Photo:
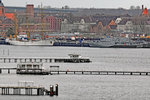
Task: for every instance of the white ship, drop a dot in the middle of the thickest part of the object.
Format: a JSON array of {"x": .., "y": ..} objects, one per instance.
[{"x": 30, "y": 42}]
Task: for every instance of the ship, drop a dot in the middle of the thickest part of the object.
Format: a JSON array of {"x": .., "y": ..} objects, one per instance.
[
  {"x": 3, "y": 41},
  {"x": 102, "y": 43},
  {"x": 115, "y": 42},
  {"x": 26, "y": 39},
  {"x": 72, "y": 43},
  {"x": 30, "y": 42}
]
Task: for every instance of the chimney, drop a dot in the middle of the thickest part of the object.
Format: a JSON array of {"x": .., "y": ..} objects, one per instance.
[{"x": 142, "y": 7}]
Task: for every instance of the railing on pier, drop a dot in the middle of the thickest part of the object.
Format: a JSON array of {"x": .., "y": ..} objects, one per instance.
[
  {"x": 29, "y": 91},
  {"x": 67, "y": 72},
  {"x": 44, "y": 60}
]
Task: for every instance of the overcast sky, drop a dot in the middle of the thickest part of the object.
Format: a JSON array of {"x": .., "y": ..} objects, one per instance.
[{"x": 80, "y": 3}]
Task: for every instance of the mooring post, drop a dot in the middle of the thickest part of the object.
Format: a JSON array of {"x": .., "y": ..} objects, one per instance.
[
  {"x": 38, "y": 91},
  {"x": 4, "y": 60},
  {"x": 2, "y": 91},
  {"x": 56, "y": 90},
  {"x": 34, "y": 60},
  {"x": 8, "y": 71},
  {"x": 0, "y": 71},
  {"x": 40, "y": 60},
  {"x": 51, "y": 90},
  {"x": 9, "y": 60}
]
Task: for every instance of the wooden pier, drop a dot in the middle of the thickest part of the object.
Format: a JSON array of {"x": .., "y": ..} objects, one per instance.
[
  {"x": 44, "y": 72},
  {"x": 28, "y": 90},
  {"x": 15, "y": 90},
  {"x": 44, "y": 60},
  {"x": 98, "y": 73},
  {"x": 87, "y": 73}
]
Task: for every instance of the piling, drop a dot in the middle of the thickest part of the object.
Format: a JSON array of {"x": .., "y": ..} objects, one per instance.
[
  {"x": 0, "y": 71},
  {"x": 40, "y": 91},
  {"x": 8, "y": 71},
  {"x": 51, "y": 90},
  {"x": 56, "y": 90},
  {"x": 40, "y": 60},
  {"x": 15, "y": 60}
]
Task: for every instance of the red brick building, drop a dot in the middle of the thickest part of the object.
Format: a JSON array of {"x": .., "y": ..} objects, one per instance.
[
  {"x": 6, "y": 20},
  {"x": 30, "y": 10}
]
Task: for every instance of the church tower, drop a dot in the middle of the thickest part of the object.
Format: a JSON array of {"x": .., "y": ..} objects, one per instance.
[{"x": 2, "y": 9}]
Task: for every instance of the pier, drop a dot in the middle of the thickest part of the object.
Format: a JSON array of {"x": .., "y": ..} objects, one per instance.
[
  {"x": 99, "y": 73},
  {"x": 44, "y": 60},
  {"x": 53, "y": 72},
  {"x": 28, "y": 90}
]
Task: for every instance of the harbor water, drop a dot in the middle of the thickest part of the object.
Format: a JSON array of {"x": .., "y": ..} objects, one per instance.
[{"x": 84, "y": 87}]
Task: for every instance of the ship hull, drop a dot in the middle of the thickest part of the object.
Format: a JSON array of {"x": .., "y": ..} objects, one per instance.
[{"x": 31, "y": 43}]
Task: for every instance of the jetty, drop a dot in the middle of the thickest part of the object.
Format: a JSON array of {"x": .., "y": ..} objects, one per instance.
[
  {"x": 73, "y": 58},
  {"x": 71, "y": 72},
  {"x": 28, "y": 90}
]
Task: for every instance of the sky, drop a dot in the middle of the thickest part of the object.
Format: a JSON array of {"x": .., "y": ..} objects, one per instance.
[{"x": 80, "y": 3}]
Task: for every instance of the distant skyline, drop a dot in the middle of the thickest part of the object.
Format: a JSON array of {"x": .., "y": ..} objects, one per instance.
[{"x": 80, "y": 3}]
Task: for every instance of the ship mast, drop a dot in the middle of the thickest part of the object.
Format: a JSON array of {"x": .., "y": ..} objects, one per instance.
[
  {"x": 42, "y": 23},
  {"x": 27, "y": 25},
  {"x": 16, "y": 26}
]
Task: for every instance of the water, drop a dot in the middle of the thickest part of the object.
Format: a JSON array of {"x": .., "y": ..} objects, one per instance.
[{"x": 85, "y": 87}]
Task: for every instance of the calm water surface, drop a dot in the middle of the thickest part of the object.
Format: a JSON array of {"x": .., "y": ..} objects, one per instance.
[{"x": 85, "y": 87}]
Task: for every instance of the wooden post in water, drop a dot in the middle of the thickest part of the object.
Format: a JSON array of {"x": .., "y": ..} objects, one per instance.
[
  {"x": 8, "y": 71},
  {"x": 0, "y": 71},
  {"x": 4, "y": 60},
  {"x": 51, "y": 90},
  {"x": 35, "y": 60},
  {"x": 40, "y": 60},
  {"x": 25, "y": 60},
  {"x": 56, "y": 90},
  {"x": 15, "y": 60},
  {"x": 9, "y": 60}
]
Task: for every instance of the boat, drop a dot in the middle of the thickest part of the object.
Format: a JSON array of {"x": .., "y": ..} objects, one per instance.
[
  {"x": 115, "y": 42},
  {"x": 30, "y": 68},
  {"x": 25, "y": 39},
  {"x": 72, "y": 43},
  {"x": 3, "y": 41},
  {"x": 73, "y": 58},
  {"x": 125, "y": 43},
  {"x": 102, "y": 43},
  {"x": 30, "y": 42}
]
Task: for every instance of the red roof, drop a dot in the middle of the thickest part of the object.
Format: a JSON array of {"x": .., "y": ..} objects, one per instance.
[
  {"x": 145, "y": 12},
  {"x": 10, "y": 16},
  {"x": 112, "y": 22}
]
